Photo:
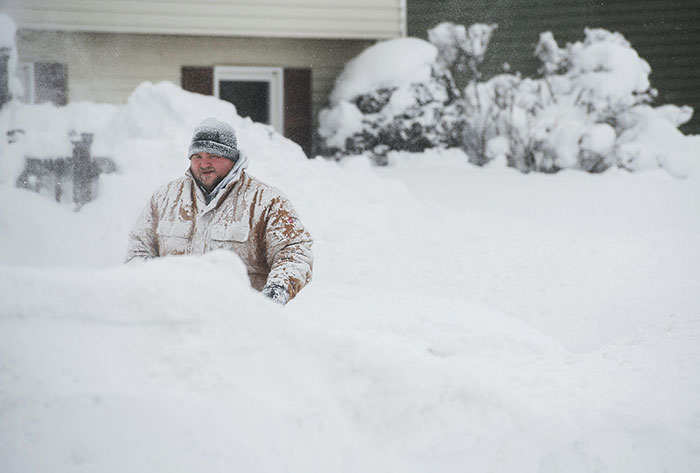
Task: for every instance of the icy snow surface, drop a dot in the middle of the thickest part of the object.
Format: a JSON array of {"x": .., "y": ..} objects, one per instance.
[{"x": 460, "y": 318}]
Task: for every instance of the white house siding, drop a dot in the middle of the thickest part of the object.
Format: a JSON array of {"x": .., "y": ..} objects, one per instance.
[
  {"x": 106, "y": 67},
  {"x": 366, "y": 19}
]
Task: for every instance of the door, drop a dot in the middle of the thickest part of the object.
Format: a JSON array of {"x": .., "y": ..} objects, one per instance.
[
  {"x": 277, "y": 96},
  {"x": 255, "y": 91}
]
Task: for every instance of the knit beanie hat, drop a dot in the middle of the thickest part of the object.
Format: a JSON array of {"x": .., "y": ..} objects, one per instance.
[{"x": 215, "y": 137}]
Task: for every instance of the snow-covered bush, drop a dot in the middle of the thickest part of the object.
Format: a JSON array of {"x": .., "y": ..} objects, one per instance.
[
  {"x": 462, "y": 50},
  {"x": 393, "y": 96},
  {"x": 581, "y": 113},
  {"x": 590, "y": 107},
  {"x": 571, "y": 116}
]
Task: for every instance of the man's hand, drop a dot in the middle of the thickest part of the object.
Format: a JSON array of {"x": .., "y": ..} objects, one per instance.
[{"x": 276, "y": 293}]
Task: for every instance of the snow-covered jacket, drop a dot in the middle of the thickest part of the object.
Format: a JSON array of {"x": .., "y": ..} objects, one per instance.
[{"x": 247, "y": 216}]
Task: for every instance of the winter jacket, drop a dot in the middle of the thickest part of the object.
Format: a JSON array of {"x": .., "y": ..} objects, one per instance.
[{"x": 247, "y": 216}]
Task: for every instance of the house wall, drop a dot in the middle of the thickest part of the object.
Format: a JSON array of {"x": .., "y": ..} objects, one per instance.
[
  {"x": 664, "y": 33},
  {"x": 106, "y": 67},
  {"x": 248, "y": 18}
]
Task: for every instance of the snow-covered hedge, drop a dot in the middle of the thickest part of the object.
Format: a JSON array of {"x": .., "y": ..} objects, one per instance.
[{"x": 590, "y": 108}]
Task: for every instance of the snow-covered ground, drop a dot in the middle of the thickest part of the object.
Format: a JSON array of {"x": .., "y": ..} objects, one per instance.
[{"x": 460, "y": 318}]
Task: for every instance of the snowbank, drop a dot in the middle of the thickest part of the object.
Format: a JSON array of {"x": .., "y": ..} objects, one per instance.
[
  {"x": 151, "y": 369},
  {"x": 459, "y": 317}
]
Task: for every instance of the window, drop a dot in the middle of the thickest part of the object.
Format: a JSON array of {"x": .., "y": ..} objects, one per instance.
[{"x": 43, "y": 82}]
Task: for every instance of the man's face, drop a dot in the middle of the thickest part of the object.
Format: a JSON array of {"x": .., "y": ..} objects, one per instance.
[{"x": 208, "y": 170}]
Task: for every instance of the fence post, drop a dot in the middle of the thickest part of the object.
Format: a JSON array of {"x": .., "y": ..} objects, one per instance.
[
  {"x": 82, "y": 170},
  {"x": 4, "y": 76}
]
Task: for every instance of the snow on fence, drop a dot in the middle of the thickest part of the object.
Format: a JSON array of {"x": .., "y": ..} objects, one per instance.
[{"x": 67, "y": 179}]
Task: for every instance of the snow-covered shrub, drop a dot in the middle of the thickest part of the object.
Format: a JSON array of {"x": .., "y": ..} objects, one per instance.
[
  {"x": 462, "y": 50},
  {"x": 589, "y": 110},
  {"x": 568, "y": 118},
  {"x": 393, "y": 96},
  {"x": 650, "y": 138},
  {"x": 590, "y": 107}
]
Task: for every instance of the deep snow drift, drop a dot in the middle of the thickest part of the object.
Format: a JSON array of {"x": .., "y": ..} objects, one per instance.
[{"x": 460, "y": 318}]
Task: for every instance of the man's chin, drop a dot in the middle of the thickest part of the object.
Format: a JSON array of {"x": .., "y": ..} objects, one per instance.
[{"x": 207, "y": 184}]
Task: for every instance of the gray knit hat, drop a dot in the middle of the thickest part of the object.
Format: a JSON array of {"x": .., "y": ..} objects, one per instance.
[{"x": 215, "y": 137}]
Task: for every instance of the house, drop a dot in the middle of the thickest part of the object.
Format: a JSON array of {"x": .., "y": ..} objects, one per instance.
[
  {"x": 664, "y": 33},
  {"x": 276, "y": 60}
]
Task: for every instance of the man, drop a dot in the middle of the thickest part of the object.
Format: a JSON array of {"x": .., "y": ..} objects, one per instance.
[{"x": 217, "y": 205}]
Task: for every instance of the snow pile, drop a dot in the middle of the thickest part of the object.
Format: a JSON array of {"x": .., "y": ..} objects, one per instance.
[
  {"x": 152, "y": 368},
  {"x": 459, "y": 317},
  {"x": 589, "y": 110}
]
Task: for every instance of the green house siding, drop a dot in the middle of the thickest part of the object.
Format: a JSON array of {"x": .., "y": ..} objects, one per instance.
[{"x": 666, "y": 33}]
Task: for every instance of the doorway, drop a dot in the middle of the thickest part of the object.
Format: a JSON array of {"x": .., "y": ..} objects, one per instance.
[{"x": 255, "y": 91}]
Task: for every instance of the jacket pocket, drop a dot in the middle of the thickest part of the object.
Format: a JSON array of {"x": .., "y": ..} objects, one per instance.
[
  {"x": 233, "y": 236},
  {"x": 235, "y": 232},
  {"x": 173, "y": 237}
]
